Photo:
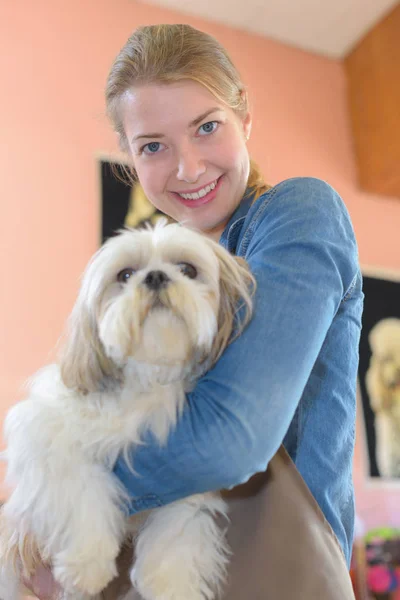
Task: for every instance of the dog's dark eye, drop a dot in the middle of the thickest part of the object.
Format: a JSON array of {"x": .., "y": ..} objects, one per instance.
[
  {"x": 188, "y": 270},
  {"x": 125, "y": 274}
]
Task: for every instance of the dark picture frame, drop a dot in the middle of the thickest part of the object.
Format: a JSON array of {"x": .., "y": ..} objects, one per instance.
[{"x": 123, "y": 203}]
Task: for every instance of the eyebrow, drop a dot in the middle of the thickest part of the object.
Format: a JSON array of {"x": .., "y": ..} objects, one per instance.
[
  {"x": 203, "y": 116},
  {"x": 193, "y": 123}
]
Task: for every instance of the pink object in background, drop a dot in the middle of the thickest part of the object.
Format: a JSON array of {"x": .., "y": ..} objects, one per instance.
[{"x": 378, "y": 579}]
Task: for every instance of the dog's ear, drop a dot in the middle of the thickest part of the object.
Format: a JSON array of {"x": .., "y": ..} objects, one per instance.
[
  {"x": 83, "y": 363},
  {"x": 237, "y": 286}
]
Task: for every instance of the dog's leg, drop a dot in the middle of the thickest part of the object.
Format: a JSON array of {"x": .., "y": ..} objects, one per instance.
[
  {"x": 86, "y": 559},
  {"x": 69, "y": 503},
  {"x": 10, "y": 575},
  {"x": 181, "y": 553}
]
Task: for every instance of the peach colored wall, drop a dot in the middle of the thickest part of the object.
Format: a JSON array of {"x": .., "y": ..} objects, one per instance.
[{"x": 54, "y": 58}]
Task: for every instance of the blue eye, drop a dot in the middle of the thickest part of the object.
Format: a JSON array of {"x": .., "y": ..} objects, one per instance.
[
  {"x": 208, "y": 127},
  {"x": 152, "y": 148}
]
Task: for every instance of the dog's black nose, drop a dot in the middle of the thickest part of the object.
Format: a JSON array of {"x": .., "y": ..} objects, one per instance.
[{"x": 156, "y": 280}]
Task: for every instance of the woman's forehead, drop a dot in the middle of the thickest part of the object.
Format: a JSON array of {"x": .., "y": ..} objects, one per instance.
[{"x": 161, "y": 104}]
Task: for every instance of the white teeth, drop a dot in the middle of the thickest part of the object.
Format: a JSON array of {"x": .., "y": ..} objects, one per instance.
[{"x": 200, "y": 193}]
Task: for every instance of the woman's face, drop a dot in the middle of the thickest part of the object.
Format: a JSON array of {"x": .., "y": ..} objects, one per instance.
[{"x": 189, "y": 151}]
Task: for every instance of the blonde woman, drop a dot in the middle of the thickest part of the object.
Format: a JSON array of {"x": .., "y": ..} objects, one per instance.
[{"x": 181, "y": 112}]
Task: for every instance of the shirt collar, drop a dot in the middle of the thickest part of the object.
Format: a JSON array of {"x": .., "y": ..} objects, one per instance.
[{"x": 231, "y": 233}]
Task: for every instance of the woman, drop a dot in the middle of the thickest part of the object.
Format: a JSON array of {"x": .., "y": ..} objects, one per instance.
[{"x": 181, "y": 113}]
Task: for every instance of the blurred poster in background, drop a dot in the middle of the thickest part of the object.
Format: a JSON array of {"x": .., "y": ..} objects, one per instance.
[
  {"x": 379, "y": 374},
  {"x": 123, "y": 204}
]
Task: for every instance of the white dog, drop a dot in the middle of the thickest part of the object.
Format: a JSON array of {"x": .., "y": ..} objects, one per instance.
[
  {"x": 383, "y": 386},
  {"x": 155, "y": 310}
]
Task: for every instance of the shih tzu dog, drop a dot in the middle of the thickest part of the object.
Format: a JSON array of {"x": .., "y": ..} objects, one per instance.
[
  {"x": 156, "y": 309},
  {"x": 383, "y": 386}
]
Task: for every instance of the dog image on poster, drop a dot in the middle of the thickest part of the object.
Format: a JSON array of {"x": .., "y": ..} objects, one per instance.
[
  {"x": 383, "y": 386},
  {"x": 379, "y": 375}
]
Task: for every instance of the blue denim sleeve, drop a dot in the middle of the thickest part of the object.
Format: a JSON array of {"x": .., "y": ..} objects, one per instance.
[{"x": 300, "y": 246}]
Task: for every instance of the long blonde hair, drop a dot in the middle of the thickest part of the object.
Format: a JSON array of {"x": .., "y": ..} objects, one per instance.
[{"x": 170, "y": 53}]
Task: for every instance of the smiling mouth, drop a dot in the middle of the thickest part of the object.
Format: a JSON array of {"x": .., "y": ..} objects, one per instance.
[
  {"x": 199, "y": 192},
  {"x": 201, "y": 195}
]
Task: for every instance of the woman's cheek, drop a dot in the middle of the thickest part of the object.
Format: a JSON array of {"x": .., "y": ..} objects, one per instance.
[{"x": 147, "y": 176}]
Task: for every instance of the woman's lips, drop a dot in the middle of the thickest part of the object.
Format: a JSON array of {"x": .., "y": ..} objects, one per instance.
[{"x": 199, "y": 201}]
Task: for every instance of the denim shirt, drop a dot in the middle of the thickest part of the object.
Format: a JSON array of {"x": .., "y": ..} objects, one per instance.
[{"x": 291, "y": 375}]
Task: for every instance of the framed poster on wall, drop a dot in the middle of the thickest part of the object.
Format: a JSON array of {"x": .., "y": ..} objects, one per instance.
[
  {"x": 379, "y": 374},
  {"x": 122, "y": 204}
]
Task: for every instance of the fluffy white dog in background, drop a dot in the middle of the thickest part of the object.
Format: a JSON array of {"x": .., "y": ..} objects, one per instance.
[
  {"x": 383, "y": 386},
  {"x": 156, "y": 309}
]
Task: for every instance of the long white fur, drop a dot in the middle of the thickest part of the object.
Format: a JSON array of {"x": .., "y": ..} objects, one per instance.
[{"x": 129, "y": 358}]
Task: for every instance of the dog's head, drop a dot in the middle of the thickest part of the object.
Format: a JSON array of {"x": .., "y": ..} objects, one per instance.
[
  {"x": 383, "y": 375},
  {"x": 384, "y": 340},
  {"x": 166, "y": 296}
]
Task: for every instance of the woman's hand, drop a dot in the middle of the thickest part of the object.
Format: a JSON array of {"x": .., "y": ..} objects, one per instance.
[{"x": 43, "y": 585}]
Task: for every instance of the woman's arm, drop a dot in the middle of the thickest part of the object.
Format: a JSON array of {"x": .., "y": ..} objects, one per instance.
[{"x": 304, "y": 257}]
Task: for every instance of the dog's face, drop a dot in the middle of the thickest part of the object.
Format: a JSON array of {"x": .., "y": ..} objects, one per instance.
[
  {"x": 385, "y": 345},
  {"x": 383, "y": 375},
  {"x": 158, "y": 297},
  {"x": 165, "y": 296}
]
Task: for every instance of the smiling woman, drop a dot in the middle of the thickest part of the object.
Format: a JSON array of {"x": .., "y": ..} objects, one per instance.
[{"x": 193, "y": 163}]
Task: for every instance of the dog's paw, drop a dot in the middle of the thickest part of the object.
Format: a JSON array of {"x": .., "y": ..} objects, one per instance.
[{"x": 84, "y": 576}]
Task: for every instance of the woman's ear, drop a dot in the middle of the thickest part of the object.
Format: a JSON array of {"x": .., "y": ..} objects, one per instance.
[
  {"x": 247, "y": 122},
  {"x": 247, "y": 119}
]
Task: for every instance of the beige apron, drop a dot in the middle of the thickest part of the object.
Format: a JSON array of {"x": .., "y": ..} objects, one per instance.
[{"x": 282, "y": 546}]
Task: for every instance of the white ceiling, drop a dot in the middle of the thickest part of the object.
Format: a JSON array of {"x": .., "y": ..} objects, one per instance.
[{"x": 330, "y": 28}]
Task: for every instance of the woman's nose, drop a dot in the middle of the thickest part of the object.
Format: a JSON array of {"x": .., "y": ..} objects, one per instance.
[{"x": 190, "y": 166}]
